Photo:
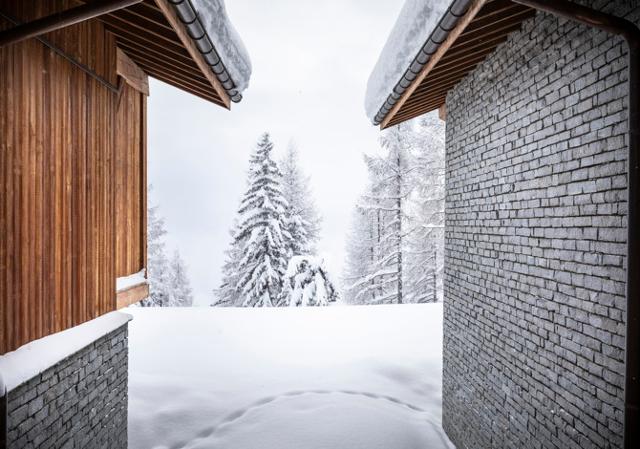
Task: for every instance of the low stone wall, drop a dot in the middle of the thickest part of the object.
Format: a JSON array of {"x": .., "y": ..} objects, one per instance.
[
  {"x": 80, "y": 402},
  {"x": 535, "y": 245}
]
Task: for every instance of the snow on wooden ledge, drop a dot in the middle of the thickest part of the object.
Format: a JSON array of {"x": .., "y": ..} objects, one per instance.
[
  {"x": 126, "y": 282},
  {"x": 26, "y": 362}
]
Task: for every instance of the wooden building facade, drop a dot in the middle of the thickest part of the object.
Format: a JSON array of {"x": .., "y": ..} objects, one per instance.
[{"x": 73, "y": 148}]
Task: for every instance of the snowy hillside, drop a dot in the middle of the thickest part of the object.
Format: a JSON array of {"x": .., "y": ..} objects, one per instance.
[{"x": 313, "y": 378}]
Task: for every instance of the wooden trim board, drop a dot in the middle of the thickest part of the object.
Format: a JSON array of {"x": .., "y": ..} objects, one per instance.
[
  {"x": 132, "y": 295},
  {"x": 132, "y": 74}
]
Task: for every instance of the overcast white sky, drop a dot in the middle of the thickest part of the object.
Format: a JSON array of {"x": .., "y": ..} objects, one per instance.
[{"x": 311, "y": 61}]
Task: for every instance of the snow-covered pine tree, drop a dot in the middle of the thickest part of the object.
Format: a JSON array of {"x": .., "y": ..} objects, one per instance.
[
  {"x": 383, "y": 205},
  {"x": 228, "y": 294},
  {"x": 424, "y": 249},
  {"x": 395, "y": 249},
  {"x": 302, "y": 218},
  {"x": 262, "y": 232},
  {"x": 180, "y": 288},
  {"x": 158, "y": 270},
  {"x": 362, "y": 248},
  {"x": 307, "y": 283}
]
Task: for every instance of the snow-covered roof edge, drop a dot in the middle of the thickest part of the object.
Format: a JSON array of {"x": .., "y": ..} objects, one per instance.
[
  {"x": 210, "y": 28},
  {"x": 418, "y": 32},
  {"x": 26, "y": 362}
]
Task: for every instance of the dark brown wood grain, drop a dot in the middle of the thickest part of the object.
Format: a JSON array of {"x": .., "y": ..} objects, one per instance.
[{"x": 72, "y": 178}]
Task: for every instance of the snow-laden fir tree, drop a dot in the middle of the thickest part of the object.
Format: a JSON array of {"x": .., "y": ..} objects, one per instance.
[
  {"x": 394, "y": 251},
  {"x": 307, "y": 283},
  {"x": 179, "y": 287},
  {"x": 261, "y": 236},
  {"x": 302, "y": 218}
]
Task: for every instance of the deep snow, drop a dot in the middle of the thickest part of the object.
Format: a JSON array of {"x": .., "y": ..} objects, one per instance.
[{"x": 314, "y": 378}]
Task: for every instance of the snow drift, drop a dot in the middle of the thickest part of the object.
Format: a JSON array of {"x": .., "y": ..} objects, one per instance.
[{"x": 289, "y": 378}]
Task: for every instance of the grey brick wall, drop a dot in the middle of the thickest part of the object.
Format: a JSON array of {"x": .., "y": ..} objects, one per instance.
[
  {"x": 79, "y": 403},
  {"x": 534, "y": 306}
]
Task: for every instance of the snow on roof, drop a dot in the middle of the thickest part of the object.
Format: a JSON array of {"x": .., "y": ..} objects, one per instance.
[
  {"x": 26, "y": 362},
  {"x": 420, "y": 28},
  {"x": 226, "y": 40}
]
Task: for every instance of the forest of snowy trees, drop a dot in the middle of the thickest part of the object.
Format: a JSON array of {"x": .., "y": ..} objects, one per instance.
[
  {"x": 395, "y": 245},
  {"x": 271, "y": 261},
  {"x": 168, "y": 281},
  {"x": 394, "y": 251}
]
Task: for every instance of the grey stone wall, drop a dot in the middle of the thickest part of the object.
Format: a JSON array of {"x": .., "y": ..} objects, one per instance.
[
  {"x": 79, "y": 403},
  {"x": 534, "y": 293}
]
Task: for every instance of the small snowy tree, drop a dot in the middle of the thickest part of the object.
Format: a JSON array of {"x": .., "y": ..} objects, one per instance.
[
  {"x": 307, "y": 283},
  {"x": 262, "y": 231},
  {"x": 180, "y": 288},
  {"x": 302, "y": 218},
  {"x": 158, "y": 270},
  {"x": 168, "y": 280},
  {"x": 228, "y": 294}
]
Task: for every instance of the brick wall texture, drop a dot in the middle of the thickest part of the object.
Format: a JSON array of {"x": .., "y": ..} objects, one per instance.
[
  {"x": 535, "y": 245},
  {"x": 79, "y": 403}
]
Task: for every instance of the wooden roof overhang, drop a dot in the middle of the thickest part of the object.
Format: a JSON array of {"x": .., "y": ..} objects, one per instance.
[
  {"x": 153, "y": 36},
  {"x": 485, "y": 25}
]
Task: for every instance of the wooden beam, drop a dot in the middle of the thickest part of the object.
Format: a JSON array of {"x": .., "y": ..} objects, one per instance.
[
  {"x": 188, "y": 43},
  {"x": 133, "y": 74},
  {"x": 442, "y": 112},
  {"x": 132, "y": 295},
  {"x": 475, "y": 7},
  {"x": 62, "y": 19}
]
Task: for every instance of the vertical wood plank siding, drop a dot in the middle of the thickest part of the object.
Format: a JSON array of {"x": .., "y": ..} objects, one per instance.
[
  {"x": 131, "y": 205},
  {"x": 62, "y": 158}
]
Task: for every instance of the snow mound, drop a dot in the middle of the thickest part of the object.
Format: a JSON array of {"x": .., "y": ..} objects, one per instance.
[
  {"x": 307, "y": 282},
  {"x": 417, "y": 19},
  {"x": 226, "y": 40}
]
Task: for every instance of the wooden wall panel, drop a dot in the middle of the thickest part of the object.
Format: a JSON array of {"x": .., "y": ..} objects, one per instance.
[
  {"x": 59, "y": 155},
  {"x": 131, "y": 204}
]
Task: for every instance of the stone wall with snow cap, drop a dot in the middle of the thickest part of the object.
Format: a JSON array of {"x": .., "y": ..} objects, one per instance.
[
  {"x": 79, "y": 402},
  {"x": 535, "y": 245}
]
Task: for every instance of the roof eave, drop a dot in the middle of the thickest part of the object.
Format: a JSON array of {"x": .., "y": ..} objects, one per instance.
[
  {"x": 472, "y": 9},
  {"x": 476, "y": 34},
  {"x": 170, "y": 11}
]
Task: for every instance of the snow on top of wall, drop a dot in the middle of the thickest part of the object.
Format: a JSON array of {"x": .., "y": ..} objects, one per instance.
[
  {"x": 417, "y": 19},
  {"x": 126, "y": 282},
  {"x": 26, "y": 362},
  {"x": 226, "y": 40}
]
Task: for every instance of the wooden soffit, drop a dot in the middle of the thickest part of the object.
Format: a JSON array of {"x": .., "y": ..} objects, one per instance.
[
  {"x": 155, "y": 39},
  {"x": 486, "y": 25}
]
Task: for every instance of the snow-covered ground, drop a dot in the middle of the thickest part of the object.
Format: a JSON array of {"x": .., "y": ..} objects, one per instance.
[{"x": 313, "y": 378}]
